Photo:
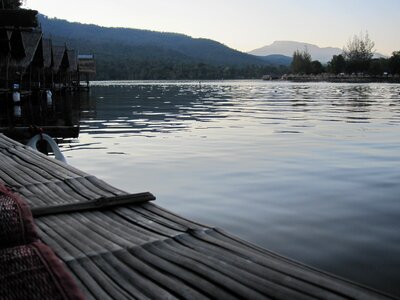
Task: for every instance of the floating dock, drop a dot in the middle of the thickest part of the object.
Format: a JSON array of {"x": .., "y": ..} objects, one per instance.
[{"x": 117, "y": 250}]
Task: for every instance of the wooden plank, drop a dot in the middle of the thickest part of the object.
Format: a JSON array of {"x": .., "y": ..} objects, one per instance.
[
  {"x": 32, "y": 157},
  {"x": 95, "y": 204},
  {"x": 100, "y": 183},
  {"x": 132, "y": 281},
  {"x": 271, "y": 274},
  {"x": 342, "y": 288},
  {"x": 118, "y": 226},
  {"x": 162, "y": 221},
  {"x": 86, "y": 188},
  {"x": 202, "y": 286},
  {"x": 104, "y": 281},
  {"x": 217, "y": 278},
  {"x": 166, "y": 214},
  {"x": 159, "y": 279},
  {"x": 236, "y": 272},
  {"x": 144, "y": 222}
]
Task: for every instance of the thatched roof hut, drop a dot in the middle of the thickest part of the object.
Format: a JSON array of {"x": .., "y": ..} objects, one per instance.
[
  {"x": 17, "y": 45},
  {"x": 23, "y": 50},
  {"x": 47, "y": 53},
  {"x": 72, "y": 60},
  {"x": 5, "y": 46},
  {"x": 60, "y": 58},
  {"x": 30, "y": 44}
]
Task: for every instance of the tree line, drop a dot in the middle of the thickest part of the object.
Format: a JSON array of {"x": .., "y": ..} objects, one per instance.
[
  {"x": 117, "y": 61},
  {"x": 356, "y": 58},
  {"x": 154, "y": 69},
  {"x": 10, "y": 4}
]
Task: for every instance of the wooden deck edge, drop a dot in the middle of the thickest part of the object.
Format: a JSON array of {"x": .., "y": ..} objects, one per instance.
[{"x": 304, "y": 266}]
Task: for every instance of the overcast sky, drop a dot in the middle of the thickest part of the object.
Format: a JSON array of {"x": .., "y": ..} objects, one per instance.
[{"x": 243, "y": 24}]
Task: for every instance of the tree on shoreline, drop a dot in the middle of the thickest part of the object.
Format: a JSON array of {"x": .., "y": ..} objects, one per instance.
[
  {"x": 337, "y": 64},
  {"x": 317, "y": 67},
  {"x": 10, "y": 4},
  {"x": 394, "y": 62},
  {"x": 358, "y": 53},
  {"x": 301, "y": 63}
]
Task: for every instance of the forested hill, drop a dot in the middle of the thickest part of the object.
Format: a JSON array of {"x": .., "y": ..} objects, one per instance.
[{"x": 123, "y": 53}]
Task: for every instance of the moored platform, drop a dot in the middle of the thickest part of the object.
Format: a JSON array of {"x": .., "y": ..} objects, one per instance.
[{"x": 141, "y": 251}]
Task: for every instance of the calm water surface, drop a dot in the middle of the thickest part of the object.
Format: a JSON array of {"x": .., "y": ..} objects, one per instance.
[{"x": 310, "y": 171}]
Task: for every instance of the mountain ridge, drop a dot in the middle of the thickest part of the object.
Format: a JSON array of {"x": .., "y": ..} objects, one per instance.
[
  {"x": 277, "y": 59},
  {"x": 201, "y": 49},
  {"x": 124, "y": 53},
  {"x": 287, "y": 48}
]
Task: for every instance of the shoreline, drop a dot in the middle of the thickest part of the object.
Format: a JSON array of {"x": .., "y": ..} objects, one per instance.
[{"x": 342, "y": 79}]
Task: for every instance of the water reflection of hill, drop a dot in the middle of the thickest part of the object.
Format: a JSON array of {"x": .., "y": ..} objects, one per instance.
[
  {"x": 132, "y": 108},
  {"x": 147, "y": 108},
  {"x": 153, "y": 108}
]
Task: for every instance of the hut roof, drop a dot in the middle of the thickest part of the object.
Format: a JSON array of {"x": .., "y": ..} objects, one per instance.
[
  {"x": 5, "y": 46},
  {"x": 47, "y": 53},
  {"x": 30, "y": 41},
  {"x": 86, "y": 64},
  {"x": 17, "y": 45},
  {"x": 73, "y": 60},
  {"x": 58, "y": 56}
]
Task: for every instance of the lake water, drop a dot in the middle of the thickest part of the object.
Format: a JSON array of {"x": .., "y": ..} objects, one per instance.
[{"x": 310, "y": 171}]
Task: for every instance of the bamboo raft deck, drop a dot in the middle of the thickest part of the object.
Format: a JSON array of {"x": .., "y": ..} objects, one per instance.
[{"x": 142, "y": 251}]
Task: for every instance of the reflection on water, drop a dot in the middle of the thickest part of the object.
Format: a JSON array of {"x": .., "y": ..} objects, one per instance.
[
  {"x": 148, "y": 109},
  {"x": 310, "y": 171},
  {"x": 58, "y": 115}
]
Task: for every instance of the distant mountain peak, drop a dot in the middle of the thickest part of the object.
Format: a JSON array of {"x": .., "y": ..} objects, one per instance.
[{"x": 287, "y": 48}]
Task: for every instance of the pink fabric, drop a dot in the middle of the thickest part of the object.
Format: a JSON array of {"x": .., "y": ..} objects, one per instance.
[
  {"x": 16, "y": 221},
  {"x": 29, "y": 269}
]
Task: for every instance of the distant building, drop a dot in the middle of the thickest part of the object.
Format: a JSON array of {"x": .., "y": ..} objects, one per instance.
[{"x": 86, "y": 67}]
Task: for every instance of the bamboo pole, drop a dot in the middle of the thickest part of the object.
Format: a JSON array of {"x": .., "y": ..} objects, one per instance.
[{"x": 95, "y": 204}]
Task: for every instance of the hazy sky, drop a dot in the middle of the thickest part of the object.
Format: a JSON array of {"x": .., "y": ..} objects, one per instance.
[{"x": 243, "y": 24}]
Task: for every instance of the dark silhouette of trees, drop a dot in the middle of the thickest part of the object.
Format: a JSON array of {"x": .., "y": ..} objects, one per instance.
[
  {"x": 394, "y": 63},
  {"x": 317, "y": 67},
  {"x": 10, "y": 4},
  {"x": 379, "y": 66},
  {"x": 337, "y": 64},
  {"x": 358, "y": 53},
  {"x": 301, "y": 63}
]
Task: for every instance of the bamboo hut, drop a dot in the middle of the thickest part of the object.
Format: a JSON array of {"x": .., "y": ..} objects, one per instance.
[
  {"x": 20, "y": 56},
  {"x": 19, "y": 39},
  {"x": 48, "y": 63},
  {"x": 31, "y": 64},
  {"x": 32, "y": 61},
  {"x": 72, "y": 71},
  {"x": 5, "y": 53},
  {"x": 60, "y": 66},
  {"x": 86, "y": 67}
]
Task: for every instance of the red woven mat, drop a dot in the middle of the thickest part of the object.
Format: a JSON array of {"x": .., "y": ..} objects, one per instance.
[{"x": 29, "y": 269}]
